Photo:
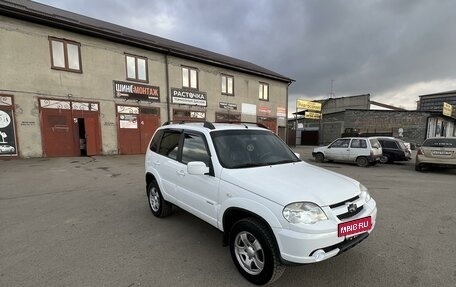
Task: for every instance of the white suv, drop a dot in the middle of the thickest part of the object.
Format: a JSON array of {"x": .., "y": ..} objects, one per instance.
[
  {"x": 362, "y": 151},
  {"x": 273, "y": 209}
]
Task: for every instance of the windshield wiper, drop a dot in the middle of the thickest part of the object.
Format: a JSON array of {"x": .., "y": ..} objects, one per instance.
[
  {"x": 280, "y": 162},
  {"x": 249, "y": 165}
]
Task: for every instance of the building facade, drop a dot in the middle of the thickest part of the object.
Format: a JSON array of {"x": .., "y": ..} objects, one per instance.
[{"x": 72, "y": 85}]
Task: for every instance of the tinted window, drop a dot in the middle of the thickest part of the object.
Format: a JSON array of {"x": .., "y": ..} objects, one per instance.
[
  {"x": 194, "y": 149},
  {"x": 154, "y": 143},
  {"x": 441, "y": 142},
  {"x": 169, "y": 144},
  {"x": 388, "y": 144}
]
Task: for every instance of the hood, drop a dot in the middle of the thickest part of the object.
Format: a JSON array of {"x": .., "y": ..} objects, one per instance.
[{"x": 294, "y": 182}]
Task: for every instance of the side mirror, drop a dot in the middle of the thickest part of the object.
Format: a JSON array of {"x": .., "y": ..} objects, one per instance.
[{"x": 197, "y": 168}]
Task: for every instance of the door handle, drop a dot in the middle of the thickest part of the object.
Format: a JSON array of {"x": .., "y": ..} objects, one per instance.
[{"x": 180, "y": 172}]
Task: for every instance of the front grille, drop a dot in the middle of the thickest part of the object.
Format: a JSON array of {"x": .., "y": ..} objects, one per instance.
[
  {"x": 343, "y": 202},
  {"x": 350, "y": 214}
]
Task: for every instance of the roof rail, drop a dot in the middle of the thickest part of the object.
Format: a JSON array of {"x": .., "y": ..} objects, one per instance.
[
  {"x": 206, "y": 124},
  {"x": 245, "y": 124}
]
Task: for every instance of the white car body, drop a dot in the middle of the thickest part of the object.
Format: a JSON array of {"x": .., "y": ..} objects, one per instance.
[
  {"x": 264, "y": 192},
  {"x": 370, "y": 150}
]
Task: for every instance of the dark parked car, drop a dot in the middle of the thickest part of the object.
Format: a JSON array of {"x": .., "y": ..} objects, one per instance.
[{"x": 394, "y": 150}]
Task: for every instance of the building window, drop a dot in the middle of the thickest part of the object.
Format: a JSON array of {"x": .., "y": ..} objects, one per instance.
[
  {"x": 136, "y": 68},
  {"x": 189, "y": 78},
  {"x": 65, "y": 55},
  {"x": 227, "y": 85},
  {"x": 264, "y": 92}
]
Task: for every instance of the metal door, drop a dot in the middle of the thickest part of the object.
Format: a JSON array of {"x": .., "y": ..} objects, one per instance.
[
  {"x": 148, "y": 126},
  {"x": 91, "y": 128},
  {"x": 57, "y": 133}
]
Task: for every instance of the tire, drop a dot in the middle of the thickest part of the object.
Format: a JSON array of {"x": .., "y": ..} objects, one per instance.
[
  {"x": 362, "y": 161},
  {"x": 254, "y": 253},
  {"x": 158, "y": 206},
  {"x": 319, "y": 157},
  {"x": 385, "y": 159},
  {"x": 418, "y": 168}
]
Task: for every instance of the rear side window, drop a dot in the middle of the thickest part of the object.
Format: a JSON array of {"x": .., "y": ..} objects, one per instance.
[
  {"x": 169, "y": 144},
  {"x": 375, "y": 143},
  {"x": 358, "y": 143},
  {"x": 441, "y": 142},
  {"x": 155, "y": 141},
  {"x": 389, "y": 144}
]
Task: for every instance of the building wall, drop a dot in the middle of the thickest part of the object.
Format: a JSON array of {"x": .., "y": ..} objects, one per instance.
[
  {"x": 407, "y": 125},
  {"x": 25, "y": 66},
  {"x": 334, "y": 105}
]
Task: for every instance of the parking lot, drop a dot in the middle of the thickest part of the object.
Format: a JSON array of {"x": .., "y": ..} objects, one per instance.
[{"x": 85, "y": 222}]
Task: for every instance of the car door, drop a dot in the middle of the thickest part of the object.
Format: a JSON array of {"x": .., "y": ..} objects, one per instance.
[
  {"x": 167, "y": 162},
  {"x": 339, "y": 150},
  {"x": 358, "y": 147},
  {"x": 198, "y": 194}
]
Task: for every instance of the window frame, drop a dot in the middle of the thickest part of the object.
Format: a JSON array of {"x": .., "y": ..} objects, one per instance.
[
  {"x": 190, "y": 69},
  {"x": 65, "y": 43},
  {"x": 136, "y": 57},
  {"x": 260, "y": 85},
  {"x": 226, "y": 93}
]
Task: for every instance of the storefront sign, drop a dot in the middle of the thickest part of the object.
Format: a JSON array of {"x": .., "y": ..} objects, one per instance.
[
  {"x": 136, "y": 91},
  {"x": 312, "y": 115},
  {"x": 7, "y": 133},
  {"x": 192, "y": 98},
  {"x": 308, "y": 105},
  {"x": 264, "y": 110},
  {"x": 227, "y": 106},
  {"x": 447, "y": 109},
  {"x": 281, "y": 112}
]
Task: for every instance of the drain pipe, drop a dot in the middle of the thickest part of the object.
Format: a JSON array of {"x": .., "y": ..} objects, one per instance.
[{"x": 168, "y": 108}]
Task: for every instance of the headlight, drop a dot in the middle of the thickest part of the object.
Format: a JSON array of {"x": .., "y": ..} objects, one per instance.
[
  {"x": 303, "y": 212},
  {"x": 364, "y": 192}
]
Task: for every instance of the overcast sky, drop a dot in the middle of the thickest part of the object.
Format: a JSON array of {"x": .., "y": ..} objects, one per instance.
[{"x": 394, "y": 50}]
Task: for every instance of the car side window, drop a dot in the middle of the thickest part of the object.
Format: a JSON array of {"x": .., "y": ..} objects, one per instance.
[
  {"x": 340, "y": 143},
  {"x": 169, "y": 144},
  {"x": 194, "y": 149},
  {"x": 358, "y": 143},
  {"x": 155, "y": 141},
  {"x": 390, "y": 144}
]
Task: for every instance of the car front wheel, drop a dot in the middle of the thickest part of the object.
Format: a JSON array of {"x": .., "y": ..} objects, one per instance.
[
  {"x": 254, "y": 253},
  {"x": 158, "y": 205}
]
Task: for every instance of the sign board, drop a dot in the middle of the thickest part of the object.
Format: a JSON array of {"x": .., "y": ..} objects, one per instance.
[
  {"x": 308, "y": 105},
  {"x": 312, "y": 115},
  {"x": 264, "y": 110},
  {"x": 186, "y": 97},
  {"x": 227, "y": 106},
  {"x": 281, "y": 112},
  {"x": 447, "y": 109},
  {"x": 133, "y": 91}
]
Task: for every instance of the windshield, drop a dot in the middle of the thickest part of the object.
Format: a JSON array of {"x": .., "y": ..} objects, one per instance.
[{"x": 251, "y": 148}]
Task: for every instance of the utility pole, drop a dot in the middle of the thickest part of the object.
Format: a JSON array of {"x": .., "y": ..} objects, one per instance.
[{"x": 331, "y": 94}]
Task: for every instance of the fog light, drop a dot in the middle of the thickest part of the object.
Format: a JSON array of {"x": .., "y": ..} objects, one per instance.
[{"x": 319, "y": 255}]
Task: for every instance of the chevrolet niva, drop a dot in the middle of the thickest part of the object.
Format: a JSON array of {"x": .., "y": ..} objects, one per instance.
[{"x": 273, "y": 209}]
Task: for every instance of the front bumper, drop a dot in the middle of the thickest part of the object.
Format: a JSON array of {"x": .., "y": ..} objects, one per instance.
[{"x": 302, "y": 248}]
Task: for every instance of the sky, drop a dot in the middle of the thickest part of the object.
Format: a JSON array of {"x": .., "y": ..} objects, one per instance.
[{"x": 394, "y": 50}]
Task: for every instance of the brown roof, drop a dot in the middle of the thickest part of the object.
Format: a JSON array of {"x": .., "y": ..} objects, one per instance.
[{"x": 50, "y": 16}]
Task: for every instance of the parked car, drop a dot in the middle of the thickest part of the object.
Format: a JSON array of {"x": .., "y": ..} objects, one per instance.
[
  {"x": 394, "y": 150},
  {"x": 362, "y": 151},
  {"x": 273, "y": 208},
  {"x": 436, "y": 152}
]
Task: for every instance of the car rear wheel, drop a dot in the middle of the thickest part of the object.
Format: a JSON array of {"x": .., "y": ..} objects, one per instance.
[
  {"x": 254, "y": 253},
  {"x": 319, "y": 157},
  {"x": 158, "y": 206},
  {"x": 418, "y": 168},
  {"x": 385, "y": 159},
  {"x": 362, "y": 161}
]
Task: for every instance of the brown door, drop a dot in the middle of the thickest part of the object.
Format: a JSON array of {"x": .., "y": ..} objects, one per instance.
[
  {"x": 129, "y": 134},
  {"x": 91, "y": 127},
  {"x": 270, "y": 123},
  {"x": 57, "y": 129},
  {"x": 148, "y": 125}
]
